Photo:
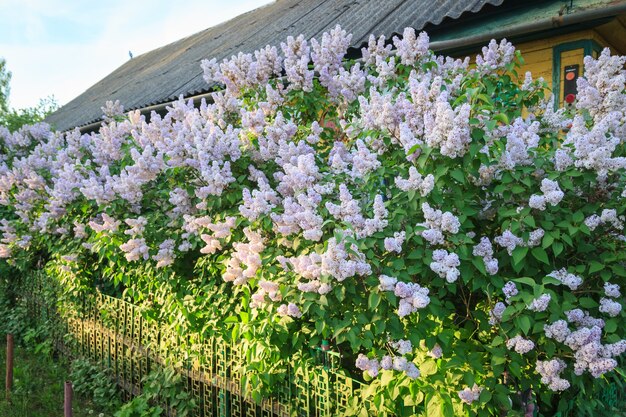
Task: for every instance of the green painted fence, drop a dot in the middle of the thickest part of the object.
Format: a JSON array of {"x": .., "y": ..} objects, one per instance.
[{"x": 113, "y": 333}]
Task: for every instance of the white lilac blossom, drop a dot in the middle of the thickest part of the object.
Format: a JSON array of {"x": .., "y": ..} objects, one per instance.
[
  {"x": 550, "y": 372},
  {"x": 300, "y": 214},
  {"x": 610, "y": 216},
  {"x": 509, "y": 290},
  {"x": 582, "y": 319},
  {"x": 520, "y": 345},
  {"x": 495, "y": 314},
  {"x": 540, "y": 303},
  {"x": 521, "y": 138},
  {"x": 568, "y": 279},
  {"x": 601, "y": 90},
  {"x": 259, "y": 202},
  {"x": 416, "y": 182},
  {"x": 509, "y": 241},
  {"x": 269, "y": 289},
  {"x": 394, "y": 244},
  {"x": 371, "y": 366},
  {"x": 290, "y": 310},
  {"x": 612, "y": 290},
  {"x": 387, "y": 283},
  {"x": 552, "y": 194},
  {"x": 495, "y": 56},
  {"x": 558, "y": 330},
  {"x": 447, "y": 129},
  {"x": 594, "y": 147},
  {"x": 296, "y": 63},
  {"x": 411, "y": 47},
  {"x": 135, "y": 249},
  {"x": 109, "y": 224},
  {"x": 610, "y": 307},
  {"x": 137, "y": 226},
  {"x": 327, "y": 56},
  {"x": 436, "y": 352},
  {"x": 402, "y": 346},
  {"x": 165, "y": 255},
  {"x": 349, "y": 212},
  {"x": 412, "y": 296},
  {"x": 445, "y": 265},
  {"x": 534, "y": 239},
  {"x": 376, "y": 51},
  {"x": 436, "y": 222},
  {"x": 469, "y": 395},
  {"x": 336, "y": 262},
  {"x": 387, "y": 363},
  {"x": 212, "y": 244},
  {"x": 484, "y": 249},
  {"x": 246, "y": 255}
]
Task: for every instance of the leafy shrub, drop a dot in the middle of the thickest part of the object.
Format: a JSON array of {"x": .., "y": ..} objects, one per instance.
[
  {"x": 163, "y": 387},
  {"x": 458, "y": 240},
  {"x": 92, "y": 382}
]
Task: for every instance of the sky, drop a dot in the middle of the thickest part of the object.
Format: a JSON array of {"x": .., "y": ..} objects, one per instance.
[{"x": 63, "y": 47}]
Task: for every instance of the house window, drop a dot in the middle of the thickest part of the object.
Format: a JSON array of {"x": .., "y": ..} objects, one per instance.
[{"x": 567, "y": 66}]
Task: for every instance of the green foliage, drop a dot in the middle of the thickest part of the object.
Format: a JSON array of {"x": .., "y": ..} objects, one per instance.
[
  {"x": 94, "y": 383},
  {"x": 161, "y": 390},
  {"x": 477, "y": 187}
]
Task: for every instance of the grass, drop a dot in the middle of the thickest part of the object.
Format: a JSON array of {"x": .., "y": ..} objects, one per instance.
[{"x": 38, "y": 387}]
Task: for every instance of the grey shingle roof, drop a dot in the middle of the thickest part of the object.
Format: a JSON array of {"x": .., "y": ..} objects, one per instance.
[{"x": 165, "y": 73}]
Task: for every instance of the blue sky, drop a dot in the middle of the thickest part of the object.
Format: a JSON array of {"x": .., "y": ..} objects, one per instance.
[{"x": 62, "y": 47}]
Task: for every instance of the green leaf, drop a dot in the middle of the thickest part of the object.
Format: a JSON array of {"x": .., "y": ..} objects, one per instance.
[
  {"x": 519, "y": 254},
  {"x": 547, "y": 240},
  {"x": 428, "y": 367},
  {"x": 595, "y": 266},
  {"x": 530, "y": 220},
  {"x": 523, "y": 322},
  {"x": 587, "y": 302},
  {"x": 541, "y": 255},
  {"x": 557, "y": 247},
  {"x": 610, "y": 326},
  {"x": 433, "y": 405},
  {"x": 485, "y": 396},
  {"x": 458, "y": 175},
  {"x": 373, "y": 300}
]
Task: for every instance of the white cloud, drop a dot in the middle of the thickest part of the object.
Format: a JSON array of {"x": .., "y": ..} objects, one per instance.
[{"x": 66, "y": 69}]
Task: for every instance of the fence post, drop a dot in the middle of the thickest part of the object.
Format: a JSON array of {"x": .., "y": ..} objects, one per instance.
[
  {"x": 67, "y": 405},
  {"x": 9, "y": 374}
]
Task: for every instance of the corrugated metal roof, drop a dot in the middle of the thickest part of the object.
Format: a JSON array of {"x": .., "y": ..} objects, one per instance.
[{"x": 165, "y": 73}]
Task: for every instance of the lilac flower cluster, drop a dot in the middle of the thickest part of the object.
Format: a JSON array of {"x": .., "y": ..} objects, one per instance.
[
  {"x": 552, "y": 194},
  {"x": 349, "y": 212},
  {"x": 485, "y": 251},
  {"x": 550, "y": 372},
  {"x": 509, "y": 290},
  {"x": 412, "y": 296},
  {"x": 394, "y": 244},
  {"x": 436, "y": 223},
  {"x": 540, "y": 303},
  {"x": 445, "y": 265},
  {"x": 520, "y": 345},
  {"x": 416, "y": 182},
  {"x": 589, "y": 352},
  {"x": 607, "y": 216},
  {"x": 469, "y": 395},
  {"x": 569, "y": 280}
]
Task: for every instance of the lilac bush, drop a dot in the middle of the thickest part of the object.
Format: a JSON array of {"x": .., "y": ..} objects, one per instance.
[{"x": 455, "y": 237}]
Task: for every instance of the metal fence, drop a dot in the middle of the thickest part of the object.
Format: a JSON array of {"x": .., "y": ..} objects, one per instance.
[{"x": 114, "y": 334}]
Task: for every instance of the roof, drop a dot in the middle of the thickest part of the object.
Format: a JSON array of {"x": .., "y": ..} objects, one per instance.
[{"x": 163, "y": 74}]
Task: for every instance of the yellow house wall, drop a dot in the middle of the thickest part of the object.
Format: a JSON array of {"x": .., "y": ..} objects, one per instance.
[{"x": 538, "y": 54}]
